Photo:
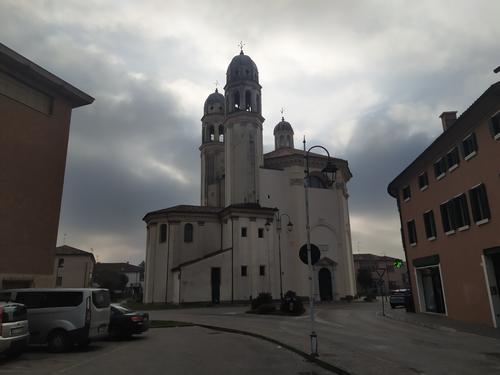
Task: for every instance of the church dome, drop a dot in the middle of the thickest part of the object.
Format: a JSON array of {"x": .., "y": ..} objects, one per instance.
[
  {"x": 214, "y": 103},
  {"x": 283, "y": 126},
  {"x": 242, "y": 68}
]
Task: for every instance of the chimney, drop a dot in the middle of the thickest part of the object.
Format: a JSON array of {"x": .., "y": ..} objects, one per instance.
[{"x": 448, "y": 119}]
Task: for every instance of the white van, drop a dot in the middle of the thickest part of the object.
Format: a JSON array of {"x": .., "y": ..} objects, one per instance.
[{"x": 62, "y": 317}]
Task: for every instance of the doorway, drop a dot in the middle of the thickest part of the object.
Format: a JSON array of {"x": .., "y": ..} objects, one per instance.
[
  {"x": 325, "y": 284},
  {"x": 215, "y": 280},
  {"x": 431, "y": 286}
]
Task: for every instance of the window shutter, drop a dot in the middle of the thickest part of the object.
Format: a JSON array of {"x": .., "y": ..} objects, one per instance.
[{"x": 484, "y": 201}]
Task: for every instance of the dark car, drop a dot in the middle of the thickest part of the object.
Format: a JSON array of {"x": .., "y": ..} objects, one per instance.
[
  {"x": 399, "y": 297},
  {"x": 124, "y": 322}
]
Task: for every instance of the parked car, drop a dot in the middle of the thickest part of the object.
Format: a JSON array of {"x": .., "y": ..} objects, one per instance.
[
  {"x": 124, "y": 322},
  {"x": 61, "y": 317},
  {"x": 399, "y": 297},
  {"x": 14, "y": 332}
]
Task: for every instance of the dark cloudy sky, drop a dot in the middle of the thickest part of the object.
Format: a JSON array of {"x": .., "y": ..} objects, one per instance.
[{"x": 366, "y": 79}]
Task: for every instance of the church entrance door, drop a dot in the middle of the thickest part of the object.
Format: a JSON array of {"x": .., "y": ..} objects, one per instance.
[
  {"x": 215, "y": 277},
  {"x": 325, "y": 284}
]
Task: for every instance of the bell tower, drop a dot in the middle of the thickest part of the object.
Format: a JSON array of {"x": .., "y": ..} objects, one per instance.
[
  {"x": 243, "y": 126},
  {"x": 212, "y": 151}
]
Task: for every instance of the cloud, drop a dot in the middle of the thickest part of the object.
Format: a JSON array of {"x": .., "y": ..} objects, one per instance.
[{"x": 366, "y": 79}]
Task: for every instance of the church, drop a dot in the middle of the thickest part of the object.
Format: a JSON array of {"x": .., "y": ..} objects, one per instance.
[{"x": 244, "y": 237}]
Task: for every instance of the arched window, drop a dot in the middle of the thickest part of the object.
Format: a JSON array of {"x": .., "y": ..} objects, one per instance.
[
  {"x": 248, "y": 101},
  {"x": 289, "y": 140},
  {"x": 221, "y": 133},
  {"x": 188, "y": 232},
  {"x": 282, "y": 140},
  {"x": 258, "y": 103},
  {"x": 237, "y": 99},
  {"x": 212, "y": 133}
]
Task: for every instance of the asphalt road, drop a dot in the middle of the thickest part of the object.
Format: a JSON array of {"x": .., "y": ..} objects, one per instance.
[
  {"x": 353, "y": 337},
  {"x": 176, "y": 351}
]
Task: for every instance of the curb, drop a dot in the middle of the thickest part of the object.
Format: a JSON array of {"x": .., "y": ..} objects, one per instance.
[
  {"x": 319, "y": 362},
  {"x": 421, "y": 324}
]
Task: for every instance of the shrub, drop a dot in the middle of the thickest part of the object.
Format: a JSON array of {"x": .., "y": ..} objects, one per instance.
[
  {"x": 262, "y": 299},
  {"x": 291, "y": 304},
  {"x": 266, "y": 308}
]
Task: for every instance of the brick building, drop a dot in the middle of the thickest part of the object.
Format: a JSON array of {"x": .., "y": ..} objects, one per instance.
[
  {"x": 449, "y": 204},
  {"x": 393, "y": 278},
  {"x": 35, "y": 113}
]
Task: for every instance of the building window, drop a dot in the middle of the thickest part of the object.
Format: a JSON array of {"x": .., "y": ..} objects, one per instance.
[
  {"x": 448, "y": 217},
  {"x": 188, "y": 232},
  {"x": 243, "y": 270},
  {"x": 58, "y": 280},
  {"x": 60, "y": 263},
  {"x": 423, "y": 181},
  {"x": 495, "y": 126},
  {"x": 430, "y": 225},
  {"x": 461, "y": 212},
  {"x": 479, "y": 204},
  {"x": 262, "y": 270},
  {"x": 261, "y": 232},
  {"x": 163, "y": 232},
  {"x": 440, "y": 168},
  {"x": 243, "y": 232},
  {"x": 453, "y": 159},
  {"x": 406, "y": 193},
  {"x": 412, "y": 232},
  {"x": 469, "y": 146}
]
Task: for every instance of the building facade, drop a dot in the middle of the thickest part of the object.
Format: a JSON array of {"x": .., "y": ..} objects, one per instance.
[
  {"x": 449, "y": 204},
  {"x": 393, "y": 277},
  {"x": 73, "y": 267},
  {"x": 238, "y": 242},
  {"x": 35, "y": 112}
]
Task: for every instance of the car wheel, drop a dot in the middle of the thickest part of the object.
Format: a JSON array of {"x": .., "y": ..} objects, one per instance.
[{"x": 58, "y": 341}]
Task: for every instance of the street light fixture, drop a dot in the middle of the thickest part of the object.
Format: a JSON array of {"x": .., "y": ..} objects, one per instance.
[
  {"x": 330, "y": 170},
  {"x": 289, "y": 228}
]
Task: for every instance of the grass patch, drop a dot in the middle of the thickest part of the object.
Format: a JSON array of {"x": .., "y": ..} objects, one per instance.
[{"x": 168, "y": 324}]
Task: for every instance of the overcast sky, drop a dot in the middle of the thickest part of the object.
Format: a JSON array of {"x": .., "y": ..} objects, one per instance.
[{"x": 366, "y": 79}]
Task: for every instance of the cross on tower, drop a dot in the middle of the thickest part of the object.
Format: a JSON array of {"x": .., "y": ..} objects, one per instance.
[
  {"x": 282, "y": 114},
  {"x": 241, "y": 44},
  {"x": 216, "y": 85}
]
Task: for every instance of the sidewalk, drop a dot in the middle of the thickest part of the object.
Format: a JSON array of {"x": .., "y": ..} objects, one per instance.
[{"x": 435, "y": 321}]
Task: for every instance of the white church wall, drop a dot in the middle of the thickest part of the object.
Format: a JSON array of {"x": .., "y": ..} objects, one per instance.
[{"x": 196, "y": 283}]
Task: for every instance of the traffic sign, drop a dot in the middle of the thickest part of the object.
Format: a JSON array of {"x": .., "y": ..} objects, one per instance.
[{"x": 315, "y": 254}]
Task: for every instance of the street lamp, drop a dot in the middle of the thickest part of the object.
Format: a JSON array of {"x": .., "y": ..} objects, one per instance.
[
  {"x": 330, "y": 170},
  {"x": 289, "y": 228}
]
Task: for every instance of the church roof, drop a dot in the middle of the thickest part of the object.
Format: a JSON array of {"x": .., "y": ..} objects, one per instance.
[
  {"x": 190, "y": 209},
  {"x": 283, "y": 126},
  {"x": 282, "y": 157},
  {"x": 213, "y": 99},
  {"x": 242, "y": 68}
]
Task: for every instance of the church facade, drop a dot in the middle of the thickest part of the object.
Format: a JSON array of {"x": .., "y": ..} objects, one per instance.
[{"x": 244, "y": 237}]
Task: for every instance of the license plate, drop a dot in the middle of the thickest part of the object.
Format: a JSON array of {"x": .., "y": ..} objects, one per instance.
[{"x": 17, "y": 331}]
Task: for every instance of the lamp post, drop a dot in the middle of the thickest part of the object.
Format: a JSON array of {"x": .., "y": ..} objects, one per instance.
[
  {"x": 332, "y": 169},
  {"x": 289, "y": 228}
]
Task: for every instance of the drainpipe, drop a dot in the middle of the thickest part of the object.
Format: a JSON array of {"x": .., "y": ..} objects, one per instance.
[
  {"x": 168, "y": 258},
  {"x": 232, "y": 259}
]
